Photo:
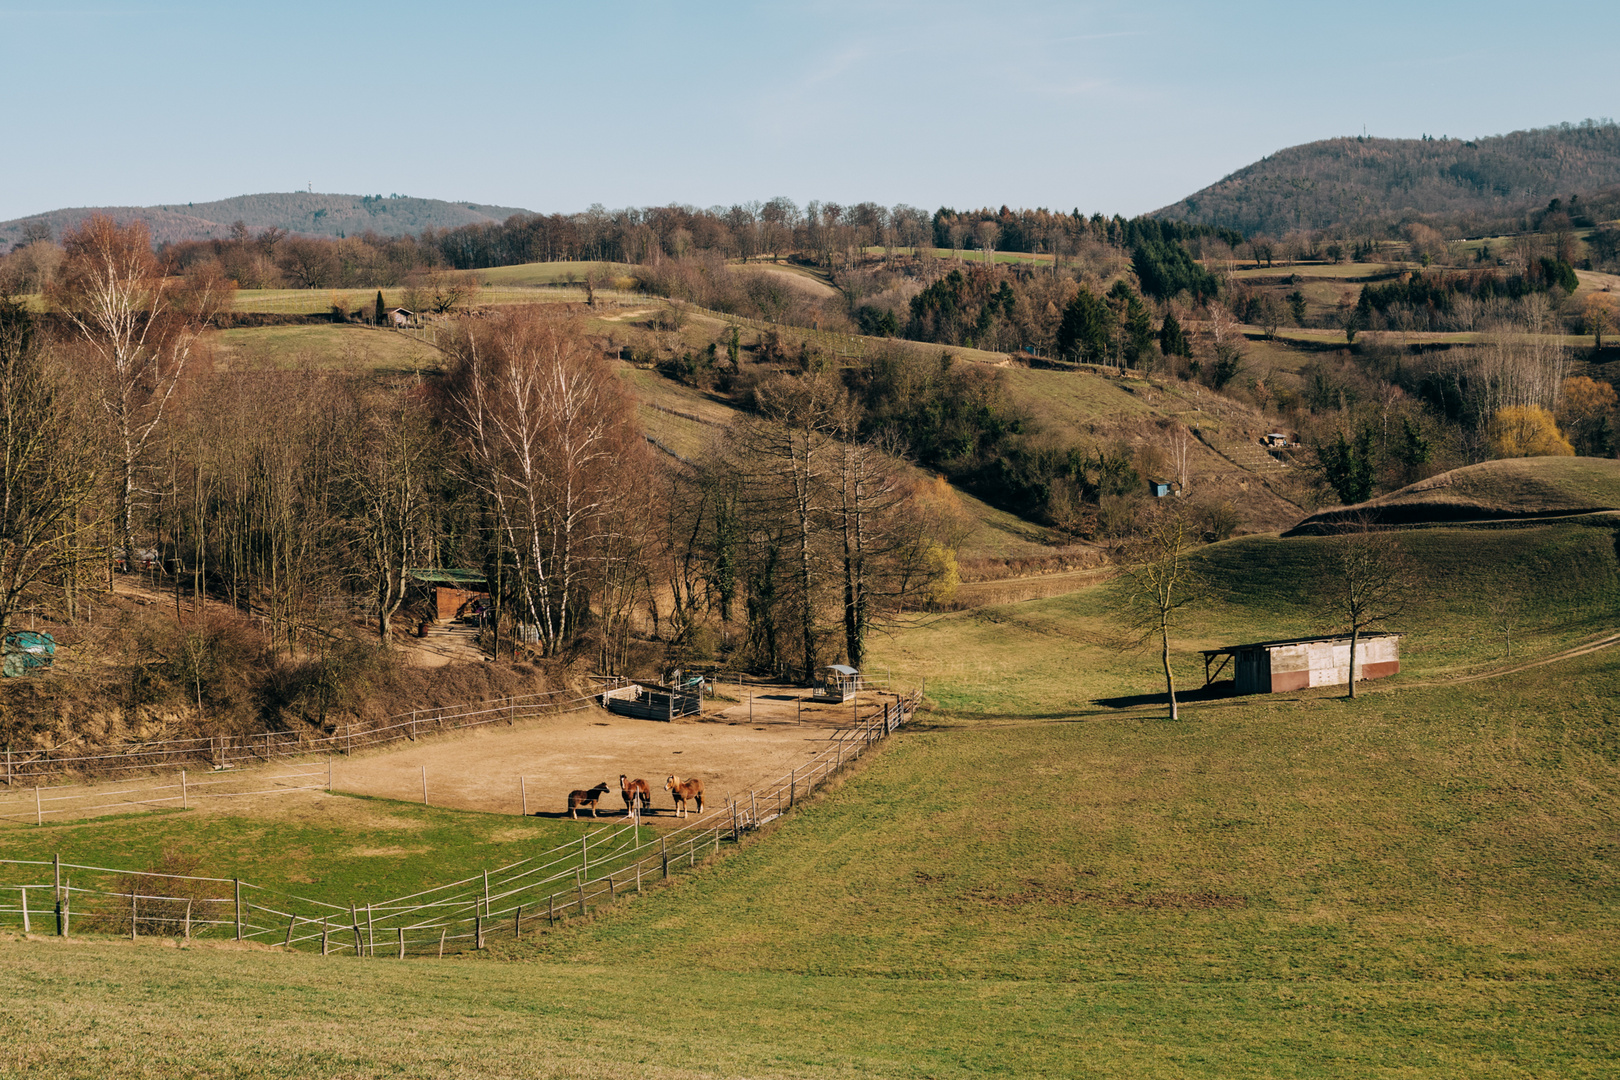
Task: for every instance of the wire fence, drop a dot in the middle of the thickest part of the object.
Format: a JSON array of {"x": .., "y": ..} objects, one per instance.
[
  {"x": 41, "y": 766},
  {"x": 564, "y": 882}
]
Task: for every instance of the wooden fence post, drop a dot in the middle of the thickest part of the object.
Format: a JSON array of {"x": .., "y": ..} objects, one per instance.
[
  {"x": 486, "y": 892},
  {"x": 402, "y": 943},
  {"x": 442, "y": 932},
  {"x": 753, "y": 809},
  {"x": 523, "y": 791},
  {"x": 371, "y": 941},
  {"x": 188, "y": 920},
  {"x": 26, "y": 927},
  {"x": 326, "y": 930},
  {"x": 424, "y": 785},
  {"x": 185, "y": 802},
  {"x": 237, "y": 885},
  {"x": 517, "y": 924},
  {"x": 579, "y": 880},
  {"x": 478, "y": 927},
  {"x": 39, "y": 814},
  {"x": 584, "y": 854},
  {"x": 793, "y": 786},
  {"x": 291, "y": 922},
  {"x": 663, "y": 850}
]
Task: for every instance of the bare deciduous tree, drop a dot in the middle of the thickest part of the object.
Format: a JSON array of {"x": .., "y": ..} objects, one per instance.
[
  {"x": 139, "y": 331},
  {"x": 1365, "y": 582},
  {"x": 47, "y": 468},
  {"x": 385, "y": 480},
  {"x": 1159, "y": 581},
  {"x": 547, "y": 436}
]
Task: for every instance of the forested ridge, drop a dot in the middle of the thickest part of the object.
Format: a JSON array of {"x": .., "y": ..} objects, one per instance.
[{"x": 1478, "y": 186}]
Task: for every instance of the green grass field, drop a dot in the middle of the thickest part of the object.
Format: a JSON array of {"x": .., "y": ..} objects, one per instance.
[
  {"x": 1043, "y": 877},
  {"x": 344, "y": 347}
]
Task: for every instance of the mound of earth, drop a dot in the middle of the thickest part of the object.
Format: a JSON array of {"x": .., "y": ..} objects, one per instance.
[{"x": 1520, "y": 488}]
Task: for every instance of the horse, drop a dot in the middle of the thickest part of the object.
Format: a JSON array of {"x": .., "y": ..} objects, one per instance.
[
  {"x": 684, "y": 791},
  {"x": 634, "y": 791},
  {"x": 578, "y": 798}
]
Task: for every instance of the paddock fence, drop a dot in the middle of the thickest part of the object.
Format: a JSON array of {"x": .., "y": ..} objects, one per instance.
[
  {"x": 567, "y": 881},
  {"x": 222, "y": 752}
]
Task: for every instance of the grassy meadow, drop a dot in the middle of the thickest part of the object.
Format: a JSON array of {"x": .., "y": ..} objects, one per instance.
[{"x": 1044, "y": 877}]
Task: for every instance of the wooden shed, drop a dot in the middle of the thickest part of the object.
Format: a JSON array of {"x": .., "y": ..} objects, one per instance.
[
  {"x": 452, "y": 590},
  {"x": 1270, "y": 667},
  {"x": 836, "y": 682}
]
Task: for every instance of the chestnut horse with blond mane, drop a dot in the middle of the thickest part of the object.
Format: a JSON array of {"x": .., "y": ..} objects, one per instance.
[{"x": 685, "y": 791}]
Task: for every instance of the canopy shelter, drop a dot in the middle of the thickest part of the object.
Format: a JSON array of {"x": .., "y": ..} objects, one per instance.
[{"x": 836, "y": 682}]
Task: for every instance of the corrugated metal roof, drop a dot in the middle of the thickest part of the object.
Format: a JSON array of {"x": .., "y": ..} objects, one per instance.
[
  {"x": 447, "y": 577},
  {"x": 1364, "y": 636}
]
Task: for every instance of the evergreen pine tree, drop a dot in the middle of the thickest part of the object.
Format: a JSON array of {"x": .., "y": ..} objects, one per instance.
[
  {"x": 380, "y": 313},
  {"x": 1172, "y": 339}
]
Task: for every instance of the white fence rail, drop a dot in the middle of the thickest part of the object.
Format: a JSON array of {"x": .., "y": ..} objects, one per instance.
[{"x": 554, "y": 885}]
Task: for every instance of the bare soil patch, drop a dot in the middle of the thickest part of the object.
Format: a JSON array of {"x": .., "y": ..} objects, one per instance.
[
  {"x": 733, "y": 748},
  {"x": 736, "y": 746}
]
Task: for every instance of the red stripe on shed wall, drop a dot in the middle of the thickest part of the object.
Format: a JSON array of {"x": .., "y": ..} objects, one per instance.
[
  {"x": 1379, "y": 670},
  {"x": 1283, "y": 681}
]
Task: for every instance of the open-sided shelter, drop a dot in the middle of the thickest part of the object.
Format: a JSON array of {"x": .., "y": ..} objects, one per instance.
[
  {"x": 1270, "y": 667},
  {"x": 836, "y": 682}
]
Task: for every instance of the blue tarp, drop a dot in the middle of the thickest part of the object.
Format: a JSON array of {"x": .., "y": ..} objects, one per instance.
[{"x": 26, "y": 652}]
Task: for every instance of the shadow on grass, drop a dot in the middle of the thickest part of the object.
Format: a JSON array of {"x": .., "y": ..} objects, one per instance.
[{"x": 1215, "y": 691}]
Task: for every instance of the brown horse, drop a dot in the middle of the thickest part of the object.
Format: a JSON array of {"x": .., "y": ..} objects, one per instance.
[
  {"x": 578, "y": 798},
  {"x": 634, "y": 791},
  {"x": 685, "y": 791}
]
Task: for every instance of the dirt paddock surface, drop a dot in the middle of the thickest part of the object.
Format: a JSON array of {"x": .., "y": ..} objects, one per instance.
[
  {"x": 734, "y": 747},
  {"x": 479, "y": 769}
]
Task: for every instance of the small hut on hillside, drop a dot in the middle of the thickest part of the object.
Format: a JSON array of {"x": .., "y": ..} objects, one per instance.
[
  {"x": 1272, "y": 667},
  {"x": 452, "y": 590}
]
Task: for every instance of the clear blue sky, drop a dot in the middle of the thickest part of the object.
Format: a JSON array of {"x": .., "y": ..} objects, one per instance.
[{"x": 1118, "y": 107}]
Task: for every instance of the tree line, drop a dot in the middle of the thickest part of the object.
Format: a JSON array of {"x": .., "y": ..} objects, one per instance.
[{"x": 796, "y": 536}]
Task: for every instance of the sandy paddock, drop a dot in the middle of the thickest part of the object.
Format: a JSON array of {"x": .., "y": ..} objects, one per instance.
[
  {"x": 480, "y": 769},
  {"x": 736, "y": 746}
]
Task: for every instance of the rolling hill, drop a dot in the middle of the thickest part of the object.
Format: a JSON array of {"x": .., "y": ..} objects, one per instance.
[
  {"x": 1512, "y": 489},
  {"x": 305, "y": 213},
  {"x": 1346, "y": 180}
]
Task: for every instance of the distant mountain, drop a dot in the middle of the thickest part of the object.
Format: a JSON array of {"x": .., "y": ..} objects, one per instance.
[
  {"x": 1349, "y": 180},
  {"x": 305, "y": 213}
]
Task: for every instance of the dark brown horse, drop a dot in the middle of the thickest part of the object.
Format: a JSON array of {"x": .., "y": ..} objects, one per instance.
[
  {"x": 634, "y": 791},
  {"x": 578, "y": 798},
  {"x": 685, "y": 791}
]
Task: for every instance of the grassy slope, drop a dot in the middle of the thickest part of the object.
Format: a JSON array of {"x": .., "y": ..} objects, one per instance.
[
  {"x": 1420, "y": 883},
  {"x": 334, "y": 849},
  {"x": 1496, "y": 489},
  {"x": 360, "y": 349}
]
